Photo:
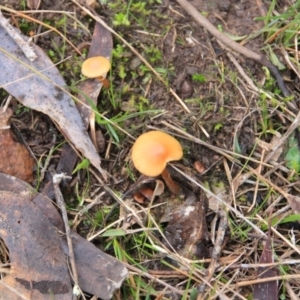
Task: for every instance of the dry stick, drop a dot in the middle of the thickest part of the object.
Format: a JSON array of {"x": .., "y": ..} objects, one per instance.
[
  {"x": 216, "y": 253},
  {"x": 15, "y": 35},
  {"x": 57, "y": 178},
  {"x": 290, "y": 291},
  {"x": 13, "y": 290},
  {"x": 153, "y": 278},
  {"x": 259, "y": 170},
  {"x": 267, "y": 279},
  {"x": 234, "y": 45}
]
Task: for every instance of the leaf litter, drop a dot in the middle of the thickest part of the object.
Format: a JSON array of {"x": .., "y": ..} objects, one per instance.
[
  {"x": 99, "y": 274},
  {"x": 38, "y": 265},
  {"x": 15, "y": 157},
  {"x": 267, "y": 290},
  {"x": 242, "y": 180},
  {"x": 39, "y": 86}
]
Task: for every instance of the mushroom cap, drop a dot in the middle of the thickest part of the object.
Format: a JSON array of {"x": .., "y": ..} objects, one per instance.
[
  {"x": 95, "y": 66},
  {"x": 152, "y": 150}
]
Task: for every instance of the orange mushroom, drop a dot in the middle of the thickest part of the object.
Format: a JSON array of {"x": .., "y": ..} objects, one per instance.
[
  {"x": 152, "y": 151},
  {"x": 96, "y": 67}
]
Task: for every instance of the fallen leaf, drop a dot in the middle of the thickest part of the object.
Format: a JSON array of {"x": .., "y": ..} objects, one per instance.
[
  {"x": 187, "y": 229},
  {"x": 39, "y": 86},
  {"x": 14, "y": 157},
  {"x": 99, "y": 274},
  {"x": 39, "y": 268},
  {"x": 267, "y": 290},
  {"x": 33, "y": 4}
]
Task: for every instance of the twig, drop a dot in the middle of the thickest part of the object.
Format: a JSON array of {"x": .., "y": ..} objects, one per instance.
[
  {"x": 47, "y": 160},
  {"x": 13, "y": 290},
  {"x": 230, "y": 155},
  {"x": 153, "y": 278},
  {"x": 57, "y": 178},
  {"x": 216, "y": 251},
  {"x": 86, "y": 208},
  {"x": 234, "y": 45},
  {"x": 16, "y": 36}
]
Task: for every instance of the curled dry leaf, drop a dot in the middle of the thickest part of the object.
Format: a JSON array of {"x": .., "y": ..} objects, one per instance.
[
  {"x": 147, "y": 193},
  {"x": 187, "y": 229},
  {"x": 38, "y": 265},
  {"x": 15, "y": 159},
  {"x": 39, "y": 86},
  {"x": 199, "y": 167},
  {"x": 139, "y": 197}
]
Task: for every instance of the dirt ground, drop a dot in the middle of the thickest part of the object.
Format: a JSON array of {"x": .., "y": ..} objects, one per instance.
[{"x": 221, "y": 107}]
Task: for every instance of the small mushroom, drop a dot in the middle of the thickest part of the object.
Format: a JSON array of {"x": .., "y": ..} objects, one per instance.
[
  {"x": 96, "y": 67},
  {"x": 152, "y": 151}
]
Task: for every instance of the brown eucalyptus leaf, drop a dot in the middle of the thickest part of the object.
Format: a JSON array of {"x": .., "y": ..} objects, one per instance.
[
  {"x": 99, "y": 274},
  {"x": 39, "y": 267},
  {"x": 267, "y": 290},
  {"x": 15, "y": 159},
  {"x": 39, "y": 86}
]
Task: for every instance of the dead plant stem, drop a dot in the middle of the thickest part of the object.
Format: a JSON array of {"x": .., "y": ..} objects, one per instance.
[{"x": 57, "y": 178}]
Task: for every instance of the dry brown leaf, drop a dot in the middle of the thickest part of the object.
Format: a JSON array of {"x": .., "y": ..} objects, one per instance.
[
  {"x": 15, "y": 159},
  {"x": 187, "y": 229},
  {"x": 99, "y": 274},
  {"x": 267, "y": 290},
  {"x": 39, "y": 86},
  {"x": 39, "y": 267}
]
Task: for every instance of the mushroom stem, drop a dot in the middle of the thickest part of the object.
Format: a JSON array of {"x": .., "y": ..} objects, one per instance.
[
  {"x": 105, "y": 82},
  {"x": 171, "y": 184}
]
